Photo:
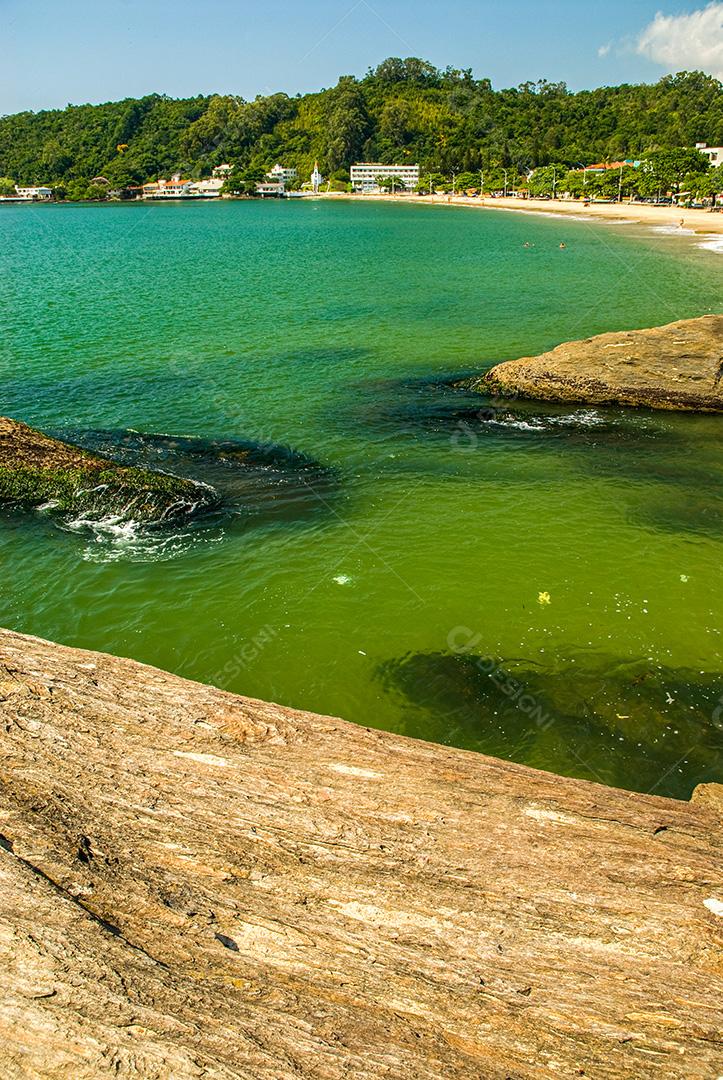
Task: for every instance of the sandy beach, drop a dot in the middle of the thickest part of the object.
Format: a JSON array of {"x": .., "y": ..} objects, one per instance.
[{"x": 696, "y": 221}]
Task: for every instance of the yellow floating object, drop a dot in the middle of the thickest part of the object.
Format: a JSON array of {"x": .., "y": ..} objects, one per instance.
[{"x": 543, "y": 598}]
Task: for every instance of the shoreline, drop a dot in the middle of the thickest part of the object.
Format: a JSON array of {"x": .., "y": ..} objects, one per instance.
[{"x": 696, "y": 222}]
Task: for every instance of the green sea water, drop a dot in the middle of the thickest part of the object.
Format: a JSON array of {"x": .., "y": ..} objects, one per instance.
[{"x": 393, "y": 574}]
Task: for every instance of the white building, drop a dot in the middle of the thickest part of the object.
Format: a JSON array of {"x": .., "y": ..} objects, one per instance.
[
  {"x": 364, "y": 175},
  {"x": 34, "y": 194},
  {"x": 178, "y": 188},
  {"x": 316, "y": 178},
  {"x": 713, "y": 153},
  {"x": 281, "y": 174},
  {"x": 270, "y": 187},
  {"x": 208, "y": 189},
  {"x": 175, "y": 188},
  {"x": 222, "y": 171}
]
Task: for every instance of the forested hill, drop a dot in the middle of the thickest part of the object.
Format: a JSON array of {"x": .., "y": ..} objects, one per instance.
[{"x": 402, "y": 111}]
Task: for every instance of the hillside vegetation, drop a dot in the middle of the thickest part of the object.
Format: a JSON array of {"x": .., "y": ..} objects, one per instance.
[{"x": 402, "y": 111}]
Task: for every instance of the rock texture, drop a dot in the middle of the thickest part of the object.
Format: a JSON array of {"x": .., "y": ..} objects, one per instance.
[
  {"x": 679, "y": 366},
  {"x": 199, "y": 885},
  {"x": 36, "y": 469}
]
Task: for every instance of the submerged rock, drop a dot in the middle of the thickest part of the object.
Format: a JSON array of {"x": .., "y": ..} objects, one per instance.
[
  {"x": 37, "y": 470},
  {"x": 152, "y": 480},
  {"x": 678, "y": 366},
  {"x": 448, "y": 409},
  {"x": 664, "y": 508},
  {"x": 632, "y": 723},
  {"x": 258, "y": 481}
]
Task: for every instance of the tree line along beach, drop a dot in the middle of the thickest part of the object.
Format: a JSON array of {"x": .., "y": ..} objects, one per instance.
[{"x": 409, "y": 523}]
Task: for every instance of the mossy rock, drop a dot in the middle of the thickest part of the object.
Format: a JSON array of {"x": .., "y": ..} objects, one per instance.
[{"x": 36, "y": 470}]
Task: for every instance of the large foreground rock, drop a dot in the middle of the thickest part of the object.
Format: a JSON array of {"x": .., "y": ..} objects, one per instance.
[
  {"x": 37, "y": 470},
  {"x": 194, "y": 884},
  {"x": 679, "y": 366}
]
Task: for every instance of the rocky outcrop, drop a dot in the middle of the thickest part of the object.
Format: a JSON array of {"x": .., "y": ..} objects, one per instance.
[
  {"x": 37, "y": 470},
  {"x": 196, "y": 884},
  {"x": 679, "y": 366}
]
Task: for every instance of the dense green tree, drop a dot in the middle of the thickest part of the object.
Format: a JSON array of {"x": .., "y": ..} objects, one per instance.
[
  {"x": 577, "y": 184},
  {"x": 77, "y": 190},
  {"x": 403, "y": 111},
  {"x": 97, "y": 192},
  {"x": 233, "y": 185},
  {"x": 346, "y": 125},
  {"x": 548, "y": 180},
  {"x": 668, "y": 168},
  {"x": 697, "y": 185},
  {"x": 7, "y": 186},
  {"x": 466, "y": 181},
  {"x": 390, "y": 183},
  {"x": 412, "y": 70}
]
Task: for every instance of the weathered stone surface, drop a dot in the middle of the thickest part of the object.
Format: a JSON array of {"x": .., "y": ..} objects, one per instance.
[
  {"x": 36, "y": 469},
  {"x": 195, "y": 884},
  {"x": 679, "y": 366}
]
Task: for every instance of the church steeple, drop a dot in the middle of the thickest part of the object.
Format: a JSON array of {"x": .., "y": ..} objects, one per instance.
[{"x": 316, "y": 178}]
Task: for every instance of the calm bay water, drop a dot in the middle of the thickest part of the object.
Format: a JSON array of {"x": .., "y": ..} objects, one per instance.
[{"x": 393, "y": 575}]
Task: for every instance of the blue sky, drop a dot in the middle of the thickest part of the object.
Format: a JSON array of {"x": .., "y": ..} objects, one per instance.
[{"x": 56, "y": 53}]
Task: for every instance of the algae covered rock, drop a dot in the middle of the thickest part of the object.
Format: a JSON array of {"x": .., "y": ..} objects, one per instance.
[
  {"x": 37, "y": 470},
  {"x": 678, "y": 366},
  {"x": 258, "y": 482}
]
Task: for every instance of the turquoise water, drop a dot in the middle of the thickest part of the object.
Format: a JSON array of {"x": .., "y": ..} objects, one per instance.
[{"x": 392, "y": 574}]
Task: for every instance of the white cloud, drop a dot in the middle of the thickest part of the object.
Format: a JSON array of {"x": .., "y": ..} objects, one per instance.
[
  {"x": 604, "y": 49},
  {"x": 686, "y": 42}
]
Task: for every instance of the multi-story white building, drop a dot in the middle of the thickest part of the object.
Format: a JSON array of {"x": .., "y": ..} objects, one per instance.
[
  {"x": 281, "y": 174},
  {"x": 222, "y": 171},
  {"x": 34, "y": 194},
  {"x": 365, "y": 175},
  {"x": 713, "y": 153}
]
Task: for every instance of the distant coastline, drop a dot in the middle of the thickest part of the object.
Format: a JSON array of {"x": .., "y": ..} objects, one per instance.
[{"x": 672, "y": 218}]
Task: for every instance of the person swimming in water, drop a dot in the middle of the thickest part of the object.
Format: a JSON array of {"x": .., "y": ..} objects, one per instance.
[{"x": 562, "y": 246}]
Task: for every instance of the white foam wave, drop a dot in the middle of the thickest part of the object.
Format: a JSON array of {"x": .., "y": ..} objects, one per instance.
[
  {"x": 580, "y": 418},
  {"x": 672, "y": 230},
  {"x": 523, "y": 425},
  {"x": 712, "y": 243},
  {"x": 584, "y": 417},
  {"x": 120, "y": 539},
  {"x": 560, "y": 214}
]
